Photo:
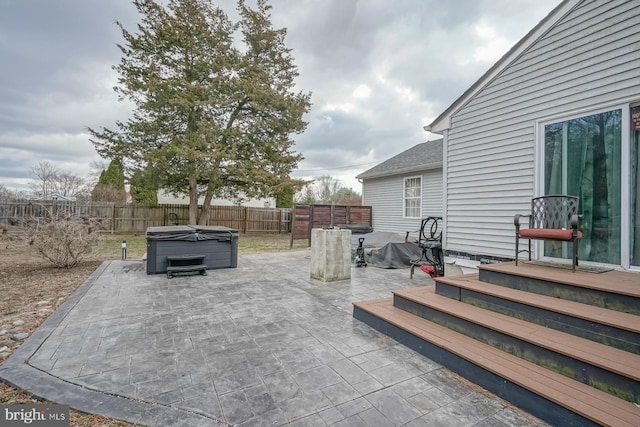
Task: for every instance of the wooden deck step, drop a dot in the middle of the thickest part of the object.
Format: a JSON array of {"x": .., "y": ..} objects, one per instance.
[
  {"x": 199, "y": 268},
  {"x": 613, "y": 328},
  {"x": 599, "y": 315},
  {"x": 604, "y": 357},
  {"x": 613, "y": 281},
  {"x": 613, "y": 289},
  {"x": 574, "y": 397}
]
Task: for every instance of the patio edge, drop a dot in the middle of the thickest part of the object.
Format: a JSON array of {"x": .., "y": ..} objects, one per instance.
[{"x": 17, "y": 372}]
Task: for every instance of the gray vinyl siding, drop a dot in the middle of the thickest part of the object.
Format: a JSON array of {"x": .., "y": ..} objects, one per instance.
[
  {"x": 432, "y": 193},
  {"x": 384, "y": 195},
  {"x": 590, "y": 58}
]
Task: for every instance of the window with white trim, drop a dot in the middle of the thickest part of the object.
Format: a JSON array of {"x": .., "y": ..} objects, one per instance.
[{"x": 412, "y": 197}]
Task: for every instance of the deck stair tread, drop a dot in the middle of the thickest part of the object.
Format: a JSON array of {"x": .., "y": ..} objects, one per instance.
[
  {"x": 190, "y": 267},
  {"x": 614, "y": 281},
  {"x": 587, "y": 401},
  {"x": 185, "y": 257},
  {"x": 600, "y": 315},
  {"x": 612, "y": 359}
]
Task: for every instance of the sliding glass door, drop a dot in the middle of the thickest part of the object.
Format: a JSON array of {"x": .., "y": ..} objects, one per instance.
[{"x": 582, "y": 157}]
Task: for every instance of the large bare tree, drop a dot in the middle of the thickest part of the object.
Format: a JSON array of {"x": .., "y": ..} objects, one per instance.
[
  {"x": 70, "y": 185},
  {"x": 6, "y": 194},
  {"x": 326, "y": 189},
  {"x": 45, "y": 175}
]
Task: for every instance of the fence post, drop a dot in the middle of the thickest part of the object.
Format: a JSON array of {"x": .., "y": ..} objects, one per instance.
[
  {"x": 244, "y": 226},
  {"x": 113, "y": 218},
  {"x": 311, "y": 220},
  {"x": 332, "y": 215},
  {"x": 293, "y": 225}
]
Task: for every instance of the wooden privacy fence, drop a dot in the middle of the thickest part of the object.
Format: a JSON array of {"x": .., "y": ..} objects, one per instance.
[
  {"x": 307, "y": 217},
  {"x": 134, "y": 218}
]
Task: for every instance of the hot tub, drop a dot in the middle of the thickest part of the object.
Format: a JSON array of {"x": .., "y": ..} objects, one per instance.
[{"x": 219, "y": 245}]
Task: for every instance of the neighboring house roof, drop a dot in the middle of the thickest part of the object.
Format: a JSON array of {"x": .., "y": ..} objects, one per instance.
[
  {"x": 58, "y": 196},
  {"x": 444, "y": 120},
  {"x": 427, "y": 155},
  {"x": 53, "y": 196}
]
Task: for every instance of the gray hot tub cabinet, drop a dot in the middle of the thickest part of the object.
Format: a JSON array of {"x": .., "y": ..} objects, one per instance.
[{"x": 219, "y": 245}]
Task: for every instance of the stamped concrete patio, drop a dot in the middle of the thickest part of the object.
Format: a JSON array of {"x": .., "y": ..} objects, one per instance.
[{"x": 261, "y": 344}]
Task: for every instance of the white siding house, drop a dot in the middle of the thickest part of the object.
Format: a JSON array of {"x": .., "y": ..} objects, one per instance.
[
  {"x": 553, "y": 116},
  {"x": 165, "y": 197},
  {"x": 405, "y": 188}
]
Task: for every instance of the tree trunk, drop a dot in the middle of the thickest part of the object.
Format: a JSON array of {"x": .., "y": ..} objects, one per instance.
[
  {"x": 203, "y": 216},
  {"x": 193, "y": 200}
]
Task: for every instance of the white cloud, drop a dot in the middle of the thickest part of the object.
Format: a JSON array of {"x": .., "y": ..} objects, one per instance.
[
  {"x": 493, "y": 46},
  {"x": 362, "y": 91},
  {"x": 346, "y": 107}
]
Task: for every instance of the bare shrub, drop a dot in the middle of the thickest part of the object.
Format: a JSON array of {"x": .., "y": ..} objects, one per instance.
[
  {"x": 108, "y": 193},
  {"x": 62, "y": 239}
]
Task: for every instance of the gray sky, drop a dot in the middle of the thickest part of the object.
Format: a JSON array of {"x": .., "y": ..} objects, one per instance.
[{"x": 379, "y": 70}]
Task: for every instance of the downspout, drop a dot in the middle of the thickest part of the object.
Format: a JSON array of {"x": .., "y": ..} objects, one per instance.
[{"x": 445, "y": 143}]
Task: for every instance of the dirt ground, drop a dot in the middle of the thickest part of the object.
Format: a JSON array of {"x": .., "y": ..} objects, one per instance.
[{"x": 31, "y": 289}]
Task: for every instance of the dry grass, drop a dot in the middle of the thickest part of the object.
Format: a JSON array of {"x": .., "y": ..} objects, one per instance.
[{"x": 31, "y": 289}]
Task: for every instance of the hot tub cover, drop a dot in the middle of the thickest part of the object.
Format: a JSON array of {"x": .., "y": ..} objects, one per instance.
[{"x": 191, "y": 233}]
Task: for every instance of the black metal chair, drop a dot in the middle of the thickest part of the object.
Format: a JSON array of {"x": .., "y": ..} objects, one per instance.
[
  {"x": 551, "y": 218},
  {"x": 430, "y": 243},
  {"x": 171, "y": 219}
]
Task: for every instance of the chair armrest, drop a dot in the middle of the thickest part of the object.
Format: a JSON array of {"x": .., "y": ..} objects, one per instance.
[
  {"x": 575, "y": 221},
  {"x": 409, "y": 236},
  {"x": 516, "y": 219}
]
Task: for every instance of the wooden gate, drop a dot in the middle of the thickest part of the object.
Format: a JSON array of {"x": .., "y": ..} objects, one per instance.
[{"x": 306, "y": 217}]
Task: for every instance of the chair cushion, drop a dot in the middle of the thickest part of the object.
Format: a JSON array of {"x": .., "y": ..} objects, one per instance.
[{"x": 548, "y": 234}]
